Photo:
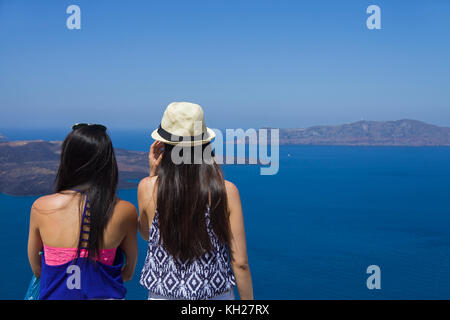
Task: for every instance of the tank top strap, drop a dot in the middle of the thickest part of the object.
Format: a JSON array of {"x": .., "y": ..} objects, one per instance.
[
  {"x": 85, "y": 209},
  {"x": 84, "y": 223}
]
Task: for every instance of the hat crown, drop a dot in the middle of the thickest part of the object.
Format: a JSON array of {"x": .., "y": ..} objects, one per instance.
[{"x": 184, "y": 119}]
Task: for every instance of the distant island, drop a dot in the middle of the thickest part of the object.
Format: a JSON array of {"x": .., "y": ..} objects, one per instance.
[
  {"x": 370, "y": 133},
  {"x": 29, "y": 167}
]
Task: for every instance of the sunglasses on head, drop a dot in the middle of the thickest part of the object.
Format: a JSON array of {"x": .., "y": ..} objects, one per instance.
[{"x": 82, "y": 125}]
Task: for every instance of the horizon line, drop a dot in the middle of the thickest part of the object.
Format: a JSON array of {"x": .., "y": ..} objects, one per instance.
[{"x": 150, "y": 129}]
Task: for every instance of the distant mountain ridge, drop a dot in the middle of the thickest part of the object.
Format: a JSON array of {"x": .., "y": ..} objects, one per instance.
[
  {"x": 370, "y": 133},
  {"x": 29, "y": 167}
]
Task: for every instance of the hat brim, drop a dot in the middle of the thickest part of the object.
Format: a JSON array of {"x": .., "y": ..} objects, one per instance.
[{"x": 209, "y": 132}]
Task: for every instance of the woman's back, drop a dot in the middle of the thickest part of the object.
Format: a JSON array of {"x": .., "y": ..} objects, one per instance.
[
  {"x": 59, "y": 217},
  {"x": 210, "y": 276},
  {"x": 83, "y": 228},
  {"x": 190, "y": 215},
  {"x": 201, "y": 278},
  {"x": 66, "y": 270}
]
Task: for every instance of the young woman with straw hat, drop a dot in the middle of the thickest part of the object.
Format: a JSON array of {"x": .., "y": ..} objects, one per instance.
[{"x": 191, "y": 217}]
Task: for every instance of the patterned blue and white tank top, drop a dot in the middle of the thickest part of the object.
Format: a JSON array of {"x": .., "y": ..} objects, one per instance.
[{"x": 199, "y": 279}]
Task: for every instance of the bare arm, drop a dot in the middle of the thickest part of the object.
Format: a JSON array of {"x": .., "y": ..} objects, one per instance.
[
  {"x": 143, "y": 219},
  {"x": 239, "y": 259},
  {"x": 147, "y": 205},
  {"x": 146, "y": 190},
  {"x": 34, "y": 243},
  {"x": 129, "y": 244}
]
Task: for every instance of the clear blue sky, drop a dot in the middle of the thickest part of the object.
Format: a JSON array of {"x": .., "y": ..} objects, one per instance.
[{"x": 248, "y": 63}]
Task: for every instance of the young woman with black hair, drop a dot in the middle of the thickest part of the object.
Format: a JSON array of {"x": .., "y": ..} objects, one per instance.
[
  {"x": 84, "y": 230},
  {"x": 191, "y": 217}
]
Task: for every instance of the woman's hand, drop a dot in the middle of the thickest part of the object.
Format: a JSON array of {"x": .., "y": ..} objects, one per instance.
[{"x": 155, "y": 156}]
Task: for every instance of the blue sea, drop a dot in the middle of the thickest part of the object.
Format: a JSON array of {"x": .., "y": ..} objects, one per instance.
[{"x": 314, "y": 228}]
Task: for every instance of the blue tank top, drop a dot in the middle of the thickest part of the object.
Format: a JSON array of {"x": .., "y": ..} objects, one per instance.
[
  {"x": 199, "y": 279},
  {"x": 82, "y": 278}
]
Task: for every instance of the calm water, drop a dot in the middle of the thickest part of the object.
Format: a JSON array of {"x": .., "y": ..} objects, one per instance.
[{"x": 314, "y": 228}]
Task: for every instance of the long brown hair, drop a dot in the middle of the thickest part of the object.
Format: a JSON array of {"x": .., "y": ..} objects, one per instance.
[
  {"x": 89, "y": 165},
  {"x": 185, "y": 191}
]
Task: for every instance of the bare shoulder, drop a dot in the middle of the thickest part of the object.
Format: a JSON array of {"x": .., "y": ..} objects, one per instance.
[
  {"x": 148, "y": 183},
  {"x": 125, "y": 209},
  {"x": 232, "y": 191},
  {"x": 147, "y": 189},
  {"x": 234, "y": 200},
  {"x": 231, "y": 187},
  {"x": 51, "y": 203}
]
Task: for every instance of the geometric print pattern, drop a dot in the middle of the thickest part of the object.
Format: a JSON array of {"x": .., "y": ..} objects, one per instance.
[{"x": 200, "y": 279}]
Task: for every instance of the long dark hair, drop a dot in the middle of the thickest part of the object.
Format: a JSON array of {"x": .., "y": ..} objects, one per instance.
[
  {"x": 185, "y": 191},
  {"x": 88, "y": 164}
]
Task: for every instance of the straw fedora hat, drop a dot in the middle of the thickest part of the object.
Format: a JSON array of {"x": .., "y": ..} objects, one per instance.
[{"x": 183, "y": 123}]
